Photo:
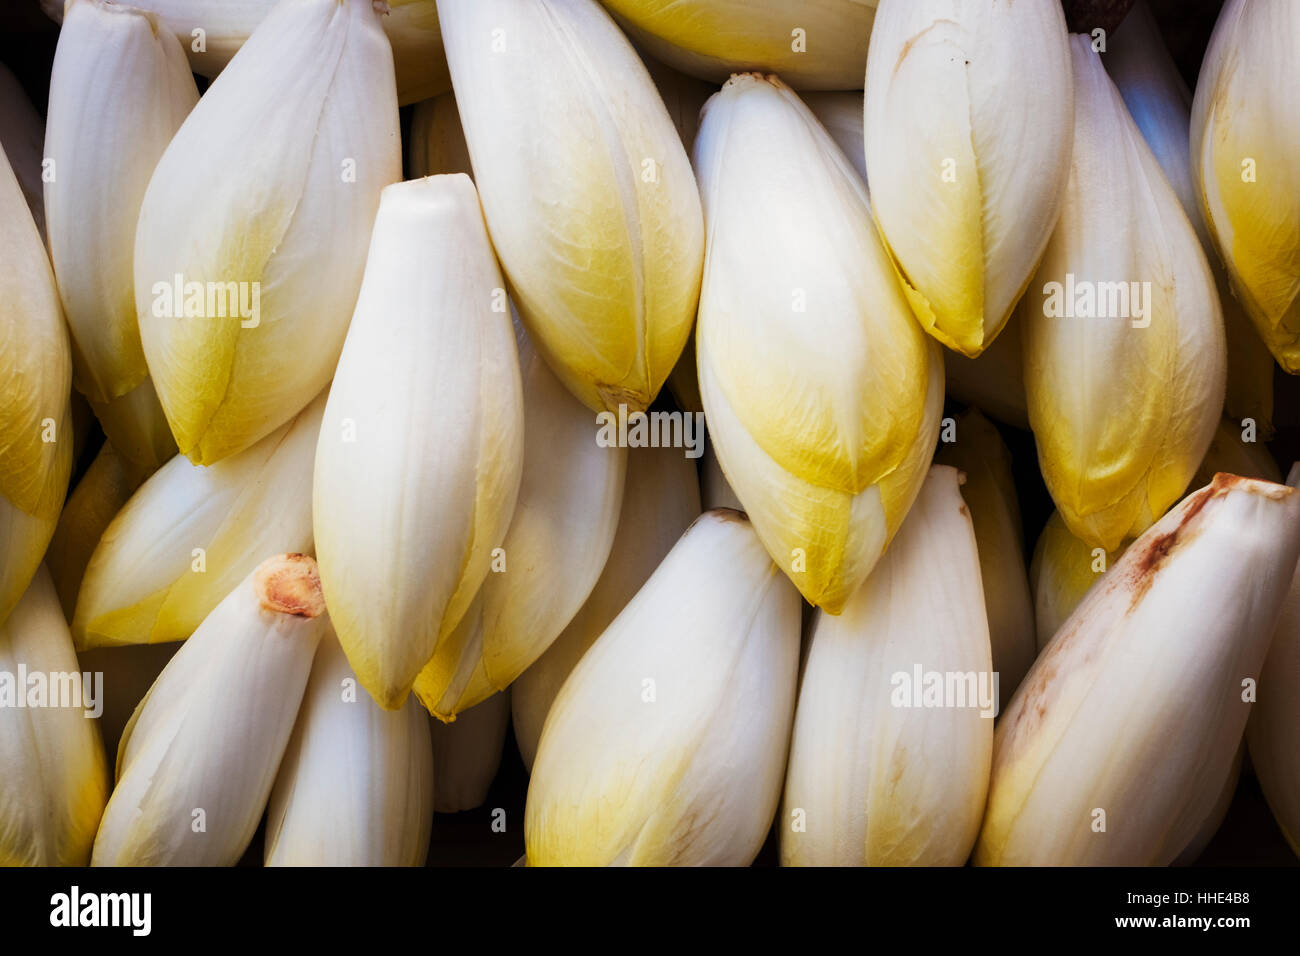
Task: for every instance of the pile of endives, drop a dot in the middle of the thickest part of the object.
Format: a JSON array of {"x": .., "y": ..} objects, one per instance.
[{"x": 354, "y": 511}]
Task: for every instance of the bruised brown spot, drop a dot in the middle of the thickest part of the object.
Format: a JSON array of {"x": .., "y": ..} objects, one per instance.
[{"x": 290, "y": 584}]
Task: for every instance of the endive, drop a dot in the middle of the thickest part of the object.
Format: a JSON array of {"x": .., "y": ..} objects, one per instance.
[
  {"x": 137, "y": 426},
  {"x": 1122, "y": 330},
  {"x": 1160, "y": 104},
  {"x": 1117, "y": 745},
  {"x": 198, "y": 759},
  {"x": 1214, "y": 819},
  {"x": 1062, "y": 571},
  {"x": 1245, "y": 145},
  {"x": 119, "y": 90},
  {"x": 813, "y": 46},
  {"x": 55, "y": 779},
  {"x": 100, "y": 494},
  {"x": 356, "y": 785},
  {"x": 1274, "y": 729},
  {"x": 467, "y": 753},
  {"x": 420, "y": 454},
  {"x": 586, "y": 189},
  {"x": 22, "y": 135},
  {"x": 841, "y": 114},
  {"x": 1232, "y": 453},
  {"x": 559, "y": 536},
  {"x": 35, "y": 382},
  {"x": 214, "y": 30},
  {"x": 876, "y": 777},
  {"x": 968, "y": 116},
  {"x": 990, "y": 491},
  {"x": 667, "y": 743},
  {"x": 437, "y": 143},
  {"x": 253, "y": 230},
  {"x": 823, "y": 395},
  {"x": 190, "y": 534},
  {"x": 660, "y": 500}
]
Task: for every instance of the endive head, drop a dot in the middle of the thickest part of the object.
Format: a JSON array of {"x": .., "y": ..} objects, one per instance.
[
  {"x": 823, "y": 395},
  {"x": 119, "y": 90},
  {"x": 877, "y": 778},
  {"x": 586, "y": 188},
  {"x": 55, "y": 779},
  {"x": 204, "y": 744},
  {"x": 1061, "y": 573},
  {"x": 968, "y": 119},
  {"x": 421, "y": 451},
  {"x": 1246, "y": 157},
  {"x": 253, "y": 230},
  {"x": 667, "y": 743},
  {"x": 137, "y": 426},
  {"x": 819, "y": 46},
  {"x": 35, "y": 381},
  {"x": 1140, "y": 676},
  {"x": 468, "y": 753},
  {"x": 1123, "y": 334},
  {"x": 190, "y": 534}
]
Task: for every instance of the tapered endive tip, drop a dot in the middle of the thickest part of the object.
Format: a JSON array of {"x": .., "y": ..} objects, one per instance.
[{"x": 290, "y": 584}]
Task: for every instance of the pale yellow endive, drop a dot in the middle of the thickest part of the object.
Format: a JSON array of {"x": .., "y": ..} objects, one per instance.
[
  {"x": 1123, "y": 335},
  {"x": 35, "y": 384},
  {"x": 22, "y": 135},
  {"x": 559, "y": 537},
  {"x": 660, "y": 500},
  {"x": 815, "y": 45},
  {"x": 667, "y": 744},
  {"x": 137, "y": 426},
  {"x": 1117, "y": 746},
  {"x": 252, "y": 234},
  {"x": 1160, "y": 103},
  {"x": 1245, "y": 144},
  {"x": 876, "y": 778},
  {"x": 586, "y": 188},
  {"x": 421, "y": 450},
  {"x": 1061, "y": 573},
  {"x": 356, "y": 785},
  {"x": 1274, "y": 729},
  {"x": 437, "y": 142},
  {"x": 55, "y": 779},
  {"x": 199, "y": 757},
  {"x": 467, "y": 753},
  {"x": 968, "y": 119},
  {"x": 212, "y": 32},
  {"x": 990, "y": 491},
  {"x": 189, "y": 534},
  {"x": 100, "y": 494},
  {"x": 823, "y": 395},
  {"x": 119, "y": 90}
]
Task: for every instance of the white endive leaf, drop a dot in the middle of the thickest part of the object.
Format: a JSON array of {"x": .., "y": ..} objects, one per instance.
[
  {"x": 197, "y": 761},
  {"x": 990, "y": 491},
  {"x": 1117, "y": 745},
  {"x": 666, "y": 745},
  {"x": 467, "y": 753},
  {"x": 1245, "y": 145},
  {"x": 1122, "y": 330},
  {"x": 214, "y": 30},
  {"x": 119, "y": 90},
  {"x": 559, "y": 537},
  {"x": 1274, "y": 726},
  {"x": 36, "y": 441},
  {"x": 137, "y": 426},
  {"x": 660, "y": 500},
  {"x": 55, "y": 779},
  {"x": 586, "y": 189},
  {"x": 841, "y": 114},
  {"x": 22, "y": 135},
  {"x": 252, "y": 234},
  {"x": 968, "y": 107},
  {"x": 420, "y": 453},
  {"x": 190, "y": 534},
  {"x": 1161, "y": 106},
  {"x": 437, "y": 143},
  {"x": 355, "y": 787},
  {"x": 823, "y": 395},
  {"x": 813, "y": 46},
  {"x": 880, "y": 776}
]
